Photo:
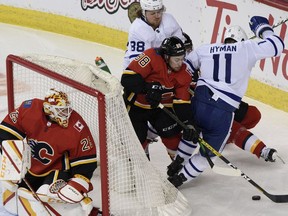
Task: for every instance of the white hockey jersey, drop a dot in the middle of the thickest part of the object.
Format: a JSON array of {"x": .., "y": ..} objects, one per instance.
[
  {"x": 142, "y": 36},
  {"x": 226, "y": 68}
]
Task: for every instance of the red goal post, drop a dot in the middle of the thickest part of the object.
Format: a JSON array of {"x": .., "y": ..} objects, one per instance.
[{"x": 130, "y": 185}]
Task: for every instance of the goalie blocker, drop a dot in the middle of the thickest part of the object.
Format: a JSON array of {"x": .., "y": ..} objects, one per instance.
[{"x": 15, "y": 160}]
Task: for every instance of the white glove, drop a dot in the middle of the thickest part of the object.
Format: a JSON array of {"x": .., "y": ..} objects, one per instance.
[{"x": 75, "y": 190}]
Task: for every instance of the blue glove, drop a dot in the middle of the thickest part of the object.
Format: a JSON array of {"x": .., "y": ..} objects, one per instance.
[{"x": 258, "y": 25}]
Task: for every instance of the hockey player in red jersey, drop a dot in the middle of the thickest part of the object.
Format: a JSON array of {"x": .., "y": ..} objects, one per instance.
[
  {"x": 62, "y": 146},
  {"x": 158, "y": 75}
]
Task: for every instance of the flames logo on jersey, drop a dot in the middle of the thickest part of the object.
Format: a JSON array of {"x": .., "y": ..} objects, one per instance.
[
  {"x": 14, "y": 116},
  {"x": 41, "y": 151}
]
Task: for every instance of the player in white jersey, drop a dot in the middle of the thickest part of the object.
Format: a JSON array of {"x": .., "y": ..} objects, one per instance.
[
  {"x": 246, "y": 116},
  {"x": 224, "y": 73},
  {"x": 150, "y": 28}
]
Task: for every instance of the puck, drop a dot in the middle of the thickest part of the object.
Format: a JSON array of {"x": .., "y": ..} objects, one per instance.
[{"x": 256, "y": 197}]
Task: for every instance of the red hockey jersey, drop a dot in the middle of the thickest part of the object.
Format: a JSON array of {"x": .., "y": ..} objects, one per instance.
[
  {"x": 53, "y": 147},
  {"x": 152, "y": 68}
]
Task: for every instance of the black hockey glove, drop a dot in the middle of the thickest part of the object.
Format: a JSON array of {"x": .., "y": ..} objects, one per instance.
[
  {"x": 153, "y": 92},
  {"x": 191, "y": 134}
]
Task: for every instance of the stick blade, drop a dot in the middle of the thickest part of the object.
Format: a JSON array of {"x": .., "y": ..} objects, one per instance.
[{"x": 226, "y": 171}]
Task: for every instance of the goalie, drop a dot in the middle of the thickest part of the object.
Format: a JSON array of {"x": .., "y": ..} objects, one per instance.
[{"x": 62, "y": 147}]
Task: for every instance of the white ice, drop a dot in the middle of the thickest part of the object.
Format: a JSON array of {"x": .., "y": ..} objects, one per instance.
[{"x": 210, "y": 194}]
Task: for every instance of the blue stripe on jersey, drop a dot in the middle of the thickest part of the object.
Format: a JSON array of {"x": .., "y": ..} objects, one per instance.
[
  {"x": 233, "y": 96},
  {"x": 228, "y": 94},
  {"x": 274, "y": 45},
  {"x": 280, "y": 40},
  {"x": 191, "y": 65},
  {"x": 133, "y": 56}
]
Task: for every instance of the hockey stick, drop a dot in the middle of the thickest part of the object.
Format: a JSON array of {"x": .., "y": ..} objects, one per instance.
[
  {"x": 273, "y": 197},
  {"x": 133, "y": 10},
  {"x": 280, "y": 23},
  {"x": 219, "y": 170}
]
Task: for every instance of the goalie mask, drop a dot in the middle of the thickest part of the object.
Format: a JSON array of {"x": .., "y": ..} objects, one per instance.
[
  {"x": 236, "y": 33},
  {"x": 57, "y": 106}
]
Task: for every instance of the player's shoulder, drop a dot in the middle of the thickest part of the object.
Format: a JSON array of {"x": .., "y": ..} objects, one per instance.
[
  {"x": 207, "y": 48},
  {"x": 184, "y": 79},
  {"x": 169, "y": 22},
  {"x": 185, "y": 73},
  {"x": 32, "y": 103},
  {"x": 153, "y": 53},
  {"x": 167, "y": 17},
  {"x": 77, "y": 122},
  {"x": 141, "y": 30}
]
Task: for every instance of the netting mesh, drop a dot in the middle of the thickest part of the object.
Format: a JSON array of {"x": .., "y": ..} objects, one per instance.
[{"x": 135, "y": 187}]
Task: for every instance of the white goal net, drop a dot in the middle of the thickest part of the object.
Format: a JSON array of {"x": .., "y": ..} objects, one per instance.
[{"x": 130, "y": 185}]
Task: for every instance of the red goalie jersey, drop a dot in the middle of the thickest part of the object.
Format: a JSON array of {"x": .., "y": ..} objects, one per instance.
[{"x": 53, "y": 147}]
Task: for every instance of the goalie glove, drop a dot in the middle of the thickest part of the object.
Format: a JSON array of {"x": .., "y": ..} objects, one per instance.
[
  {"x": 259, "y": 25},
  {"x": 75, "y": 190}
]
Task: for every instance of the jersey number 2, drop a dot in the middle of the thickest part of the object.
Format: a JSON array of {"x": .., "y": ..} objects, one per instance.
[{"x": 228, "y": 58}]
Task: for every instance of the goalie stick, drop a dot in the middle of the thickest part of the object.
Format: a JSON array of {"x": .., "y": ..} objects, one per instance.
[
  {"x": 46, "y": 206},
  {"x": 275, "y": 198}
]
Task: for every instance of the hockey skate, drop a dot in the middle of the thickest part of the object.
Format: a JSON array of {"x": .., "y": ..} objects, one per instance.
[
  {"x": 269, "y": 154},
  {"x": 177, "y": 180},
  {"x": 175, "y": 166}
]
